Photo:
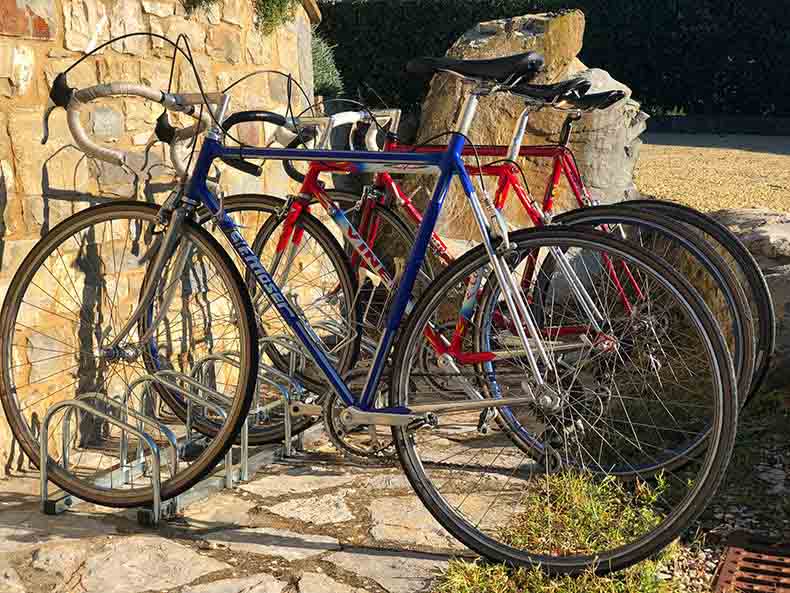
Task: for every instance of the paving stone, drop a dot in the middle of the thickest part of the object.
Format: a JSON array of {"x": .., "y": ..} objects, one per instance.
[
  {"x": 61, "y": 559},
  {"x": 406, "y": 521},
  {"x": 144, "y": 562},
  {"x": 9, "y": 578},
  {"x": 313, "y": 582},
  {"x": 323, "y": 510},
  {"x": 260, "y": 583},
  {"x": 223, "y": 509},
  {"x": 294, "y": 483},
  {"x": 388, "y": 482},
  {"x": 21, "y": 529},
  {"x": 273, "y": 542},
  {"x": 396, "y": 573}
]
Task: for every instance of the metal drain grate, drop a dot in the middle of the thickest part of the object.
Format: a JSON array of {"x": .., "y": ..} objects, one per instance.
[{"x": 753, "y": 565}]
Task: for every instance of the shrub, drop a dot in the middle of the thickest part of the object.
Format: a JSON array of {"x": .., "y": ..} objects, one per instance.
[
  {"x": 326, "y": 77},
  {"x": 699, "y": 56},
  {"x": 269, "y": 14}
]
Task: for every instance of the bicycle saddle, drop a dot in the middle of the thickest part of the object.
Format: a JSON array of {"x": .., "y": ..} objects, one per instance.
[
  {"x": 497, "y": 69},
  {"x": 592, "y": 101},
  {"x": 570, "y": 90}
]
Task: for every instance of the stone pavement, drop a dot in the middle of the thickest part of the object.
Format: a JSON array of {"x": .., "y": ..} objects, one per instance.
[{"x": 291, "y": 529}]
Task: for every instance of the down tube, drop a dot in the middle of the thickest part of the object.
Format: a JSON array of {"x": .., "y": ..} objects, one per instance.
[
  {"x": 275, "y": 296},
  {"x": 403, "y": 295}
]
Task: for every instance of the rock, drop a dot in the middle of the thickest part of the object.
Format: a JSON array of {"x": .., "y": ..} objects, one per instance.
[
  {"x": 313, "y": 582},
  {"x": 767, "y": 236},
  {"x": 122, "y": 565},
  {"x": 224, "y": 44},
  {"x": 260, "y": 583},
  {"x": 107, "y": 123},
  {"x": 161, "y": 9},
  {"x": 294, "y": 483},
  {"x": 127, "y": 17},
  {"x": 273, "y": 542},
  {"x": 397, "y": 573},
  {"x": 60, "y": 559},
  {"x": 86, "y": 25},
  {"x": 605, "y": 142},
  {"x": 323, "y": 510}
]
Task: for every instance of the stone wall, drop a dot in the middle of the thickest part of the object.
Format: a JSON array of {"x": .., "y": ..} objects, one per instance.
[{"x": 41, "y": 185}]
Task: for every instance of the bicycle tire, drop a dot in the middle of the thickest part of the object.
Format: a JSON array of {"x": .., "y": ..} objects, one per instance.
[
  {"x": 125, "y": 210},
  {"x": 720, "y": 437},
  {"x": 716, "y": 267},
  {"x": 748, "y": 272}
]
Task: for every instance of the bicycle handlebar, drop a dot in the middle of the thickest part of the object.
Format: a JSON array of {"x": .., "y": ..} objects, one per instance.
[{"x": 72, "y": 100}]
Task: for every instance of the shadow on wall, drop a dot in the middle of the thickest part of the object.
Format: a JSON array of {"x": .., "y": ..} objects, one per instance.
[{"x": 59, "y": 203}]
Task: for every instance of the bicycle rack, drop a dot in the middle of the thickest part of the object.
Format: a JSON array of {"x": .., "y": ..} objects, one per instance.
[
  {"x": 54, "y": 507},
  {"x": 296, "y": 362},
  {"x": 199, "y": 395}
]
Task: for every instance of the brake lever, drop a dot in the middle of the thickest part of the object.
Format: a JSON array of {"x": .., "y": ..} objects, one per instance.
[
  {"x": 59, "y": 96},
  {"x": 50, "y": 108}
]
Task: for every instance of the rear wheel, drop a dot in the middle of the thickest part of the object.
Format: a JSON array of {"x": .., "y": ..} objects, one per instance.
[
  {"x": 614, "y": 457},
  {"x": 746, "y": 270},
  {"x": 691, "y": 255}
]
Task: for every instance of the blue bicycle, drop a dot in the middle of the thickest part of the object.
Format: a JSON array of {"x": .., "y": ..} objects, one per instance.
[{"x": 559, "y": 408}]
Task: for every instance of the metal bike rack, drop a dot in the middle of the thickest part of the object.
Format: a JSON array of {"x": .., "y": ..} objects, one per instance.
[
  {"x": 54, "y": 507},
  {"x": 296, "y": 362}
]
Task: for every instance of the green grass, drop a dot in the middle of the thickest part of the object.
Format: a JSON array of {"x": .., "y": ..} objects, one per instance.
[
  {"x": 581, "y": 509},
  {"x": 582, "y": 515},
  {"x": 476, "y": 577}
]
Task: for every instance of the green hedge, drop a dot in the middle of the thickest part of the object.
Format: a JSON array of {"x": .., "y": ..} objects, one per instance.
[{"x": 692, "y": 56}]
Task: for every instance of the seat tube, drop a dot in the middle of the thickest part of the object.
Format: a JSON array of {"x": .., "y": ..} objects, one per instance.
[{"x": 403, "y": 295}]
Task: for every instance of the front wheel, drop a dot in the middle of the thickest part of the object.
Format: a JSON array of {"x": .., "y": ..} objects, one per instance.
[
  {"x": 72, "y": 296},
  {"x": 619, "y": 449}
]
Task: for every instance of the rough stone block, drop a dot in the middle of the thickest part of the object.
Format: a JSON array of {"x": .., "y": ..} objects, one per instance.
[
  {"x": 304, "y": 50},
  {"x": 106, "y": 123},
  {"x": 41, "y": 213},
  {"x": 224, "y": 44},
  {"x": 34, "y": 19},
  {"x": 158, "y": 8},
  {"x": 13, "y": 254},
  {"x": 140, "y": 114},
  {"x": 235, "y": 11},
  {"x": 42, "y": 169},
  {"x": 154, "y": 73},
  {"x": 17, "y": 69},
  {"x": 83, "y": 76},
  {"x": 194, "y": 31},
  {"x": 260, "y": 48},
  {"x": 114, "y": 68},
  {"x": 127, "y": 17},
  {"x": 85, "y": 24}
]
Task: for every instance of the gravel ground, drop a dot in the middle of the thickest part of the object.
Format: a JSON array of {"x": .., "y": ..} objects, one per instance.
[{"x": 710, "y": 172}]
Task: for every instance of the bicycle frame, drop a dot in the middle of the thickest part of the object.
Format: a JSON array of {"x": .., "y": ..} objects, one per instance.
[{"x": 509, "y": 178}]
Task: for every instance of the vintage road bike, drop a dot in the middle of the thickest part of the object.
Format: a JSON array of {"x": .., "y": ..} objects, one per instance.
[{"x": 638, "y": 407}]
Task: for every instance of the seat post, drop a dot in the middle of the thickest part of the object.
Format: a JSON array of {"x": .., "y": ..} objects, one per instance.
[
  {"x": 468, "y": 116},
  {"x": 518, "y": 135}
]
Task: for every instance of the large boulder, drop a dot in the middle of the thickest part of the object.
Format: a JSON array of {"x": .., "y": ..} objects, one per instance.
[
  {"x": 605, "y": 142},
  {"x": 766, "y": 233}
]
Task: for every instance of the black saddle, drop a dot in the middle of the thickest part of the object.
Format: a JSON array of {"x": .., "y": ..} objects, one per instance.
[
  {"x": 497, "y": 69},
  {"x": 568, "y": 90},
  {"x": 592, "y": 101}
]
